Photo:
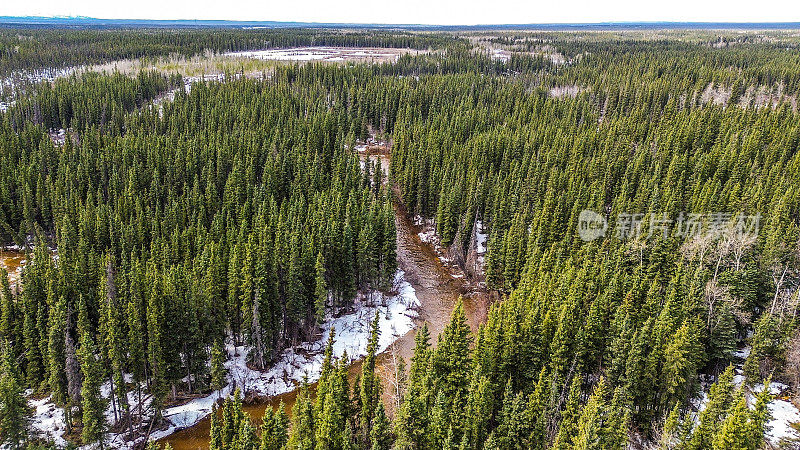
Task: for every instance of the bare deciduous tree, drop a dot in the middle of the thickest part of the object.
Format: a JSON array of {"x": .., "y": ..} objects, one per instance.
[{"x": 792, "y": 367}]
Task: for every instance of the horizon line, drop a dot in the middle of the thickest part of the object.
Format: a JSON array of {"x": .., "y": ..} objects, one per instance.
[{"x": 87, "y": 20}]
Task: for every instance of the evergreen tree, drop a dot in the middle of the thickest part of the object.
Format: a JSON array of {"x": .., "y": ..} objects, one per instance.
[
  {"x": 216, "y": 441},
  {"x": 720, "y": 398},
  {"x": 92, "y": 402},
  {"x": 14, "y": 411},
  {"x": 320, "y": 289},
  {"x": 380, "y": 437},
  {"x": 218, "y": 373},
  {"x": 411, "y": 422},
  {"x": 451, "y": 360},
  {"x": 370, "y": 388},
  {"x": 301, "y": 436},
  {"x": 56, "y": 353},
  {"x": 274, "y": 429},
  {"x": 136, "y": 351},
  {"x": 246, "y": 438}
]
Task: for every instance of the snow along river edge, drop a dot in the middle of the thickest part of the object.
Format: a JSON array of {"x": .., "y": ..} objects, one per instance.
[{"x": 397, "y": 314}]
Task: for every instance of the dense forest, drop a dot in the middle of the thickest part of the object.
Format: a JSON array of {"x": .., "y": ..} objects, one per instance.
[
  {"x": 238, "y": 213},
  {"x": 32, "y": 48}
]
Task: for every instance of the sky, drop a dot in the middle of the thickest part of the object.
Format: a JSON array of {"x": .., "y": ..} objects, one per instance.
[{"x": 442, "y": 12}]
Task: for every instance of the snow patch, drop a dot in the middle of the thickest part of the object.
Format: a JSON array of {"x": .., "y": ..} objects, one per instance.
[
  {"x": 501, "y": 55},
  {"x": 322, "y": 54},
  {"x": 480, "y": 237},
  {"x": 783, "y": 413},
  {"x": 48, "y": 421},
  {"x": 428, "y": 237},
  {"x": 742, "y": 353},
  {"x": 5, "y": 106}
]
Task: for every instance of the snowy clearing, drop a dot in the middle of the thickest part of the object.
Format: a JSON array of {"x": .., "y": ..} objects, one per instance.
[
  {"x": 326, "y": 54},
  {"x": 501, "y": 55},
  {"x": 783, "y": 414}
]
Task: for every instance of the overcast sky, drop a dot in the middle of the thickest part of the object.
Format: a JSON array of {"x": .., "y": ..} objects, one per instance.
[{"x": 446, "y": 12}]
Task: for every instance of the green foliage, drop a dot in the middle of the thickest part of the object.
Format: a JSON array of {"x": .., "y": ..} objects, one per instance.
[
  {"x": 218, "y": 372},
  {"x": 14, "y": 410},
  {"x": 302, "y": 427},
  {"x": 768, "y": 346},
  {"x": 92, "y": 403},
  {"x": 274, "y": 429},
  {"x": 52, "y": 48},
  {"x": 380, "y": 437},
  {"x": 238, "y": 213},
  {"x": 231, "y": 427}
]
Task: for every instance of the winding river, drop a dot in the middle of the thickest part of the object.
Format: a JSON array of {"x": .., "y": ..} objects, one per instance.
[{"x": 437, "y": 290}]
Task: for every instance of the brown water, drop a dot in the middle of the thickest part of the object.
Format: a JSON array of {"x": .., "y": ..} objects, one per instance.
[
  {"x": 437, "y": 291},
  {"x": 12, "y": 261}
]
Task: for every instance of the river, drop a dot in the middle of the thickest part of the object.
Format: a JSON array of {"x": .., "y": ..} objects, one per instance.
[
  {"x": 437, "y": 291},
  {"x": 12, "y": 261}
]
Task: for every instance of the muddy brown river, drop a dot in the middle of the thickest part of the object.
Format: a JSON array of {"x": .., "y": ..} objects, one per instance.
[
  {"x": 437, "y": 291},
  {"x": 12, "y": 261}
]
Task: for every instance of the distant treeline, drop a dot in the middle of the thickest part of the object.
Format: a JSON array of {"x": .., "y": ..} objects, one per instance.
[{"x": 23, "y": 49}]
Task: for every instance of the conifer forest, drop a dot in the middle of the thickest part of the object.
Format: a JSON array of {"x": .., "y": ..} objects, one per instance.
[{"x": 253, "y": 255}]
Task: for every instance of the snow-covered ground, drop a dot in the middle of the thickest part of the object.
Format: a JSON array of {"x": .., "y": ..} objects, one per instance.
[
  {"x": 48, "y": 421},
  {"x": 501, "y": 55},
  {"x": 289, "y": 54},
  {"x": 783, "y": 412},
  {"x": 480, "y": 237},
  {"x": 20, "y": 79},
  {"x": 4, "y": 106},
  {"x": 396, "y": 318},
  {"x": 324, "y": 54},
  {"x": 428, "y": 234}
]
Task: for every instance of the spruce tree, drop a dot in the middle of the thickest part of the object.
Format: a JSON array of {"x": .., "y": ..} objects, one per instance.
[
  {"x": 320, "y": 289},
  {"x": 14, "y": 411},
  {"x": 218, "y": 372},
  {"x": 92, "y": 403},
  {"x": 57, "y": 377},
  {"x": 370, "y": 388},
  {"x": 155, "y": 350},
  {"x": 451, "y": 361},
  {"x": 380, "y": 437},
  {"x": 215, "y": 433},
  {"x": 246, "y": 438},
  {"x": 274, "y": 428},
  {"x": 301, "y": 436},
  {"x": 720, "y": 398},
  {"x": 136, "y": 351}
]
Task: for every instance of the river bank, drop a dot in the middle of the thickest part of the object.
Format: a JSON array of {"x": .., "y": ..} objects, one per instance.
[{"x": 437, "y": 287}]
